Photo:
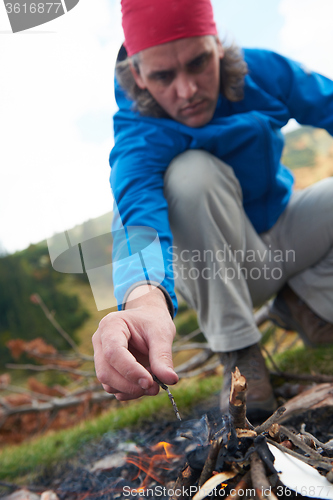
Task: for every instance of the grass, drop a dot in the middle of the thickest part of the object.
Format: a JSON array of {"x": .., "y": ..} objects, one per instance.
[
  {"x": 20, "y": 463},
  {"x": 305, "y": 360}
]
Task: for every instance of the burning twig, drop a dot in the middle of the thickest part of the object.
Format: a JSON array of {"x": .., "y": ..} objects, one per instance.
[
  {"x": 186, "y": 478},
  {"x": 210, "y": 463},
  {"x": 237, "y": 401},
  {"x": 173, "y": 402}
]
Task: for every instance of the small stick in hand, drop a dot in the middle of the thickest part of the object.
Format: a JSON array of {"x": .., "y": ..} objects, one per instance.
[{"x": 166, "y": 388}]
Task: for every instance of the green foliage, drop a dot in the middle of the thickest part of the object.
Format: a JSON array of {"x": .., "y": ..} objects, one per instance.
[
  {"x": 186, "y": 322},
  {"x": 182, "y": 307},
  {"x": 22, "y": 275},
  {"x": 304, "y": 146},
  {"x": 299, "y": 158}
]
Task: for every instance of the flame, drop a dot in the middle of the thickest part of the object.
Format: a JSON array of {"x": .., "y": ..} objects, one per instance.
[
  {"x": 162, "y": 459},
  {"x": 167, "y": 447}
]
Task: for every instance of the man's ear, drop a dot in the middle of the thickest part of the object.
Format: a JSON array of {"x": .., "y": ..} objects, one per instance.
[
  {"x": 220, "y": 48},
  {"x": 136, "y": 75}
]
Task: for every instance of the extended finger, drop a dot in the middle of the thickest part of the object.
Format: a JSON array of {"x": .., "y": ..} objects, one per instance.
[{"x": 160, "y": 356}]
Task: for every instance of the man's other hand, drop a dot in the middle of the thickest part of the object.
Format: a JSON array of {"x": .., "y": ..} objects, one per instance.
[{"x": 131, "y": 345}]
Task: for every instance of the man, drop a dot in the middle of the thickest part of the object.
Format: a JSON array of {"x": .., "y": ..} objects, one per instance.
[{"x": 197, "y": 158}]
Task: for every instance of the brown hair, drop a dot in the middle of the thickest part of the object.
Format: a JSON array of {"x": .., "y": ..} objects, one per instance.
[{"x": 233, "y": 69}]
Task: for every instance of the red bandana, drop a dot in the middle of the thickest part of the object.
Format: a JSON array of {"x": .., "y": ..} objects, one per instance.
[{"x": 147, "y": 23}]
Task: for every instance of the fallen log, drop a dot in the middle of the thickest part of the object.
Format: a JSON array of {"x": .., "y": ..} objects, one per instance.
[{"x": 317, "y": 397}]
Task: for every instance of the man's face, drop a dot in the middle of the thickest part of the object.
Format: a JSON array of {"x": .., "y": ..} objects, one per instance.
[{"x": 183, "y": 76}]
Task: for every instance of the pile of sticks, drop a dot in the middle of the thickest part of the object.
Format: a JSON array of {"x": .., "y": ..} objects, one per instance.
[{"x": 247, "y": 466}]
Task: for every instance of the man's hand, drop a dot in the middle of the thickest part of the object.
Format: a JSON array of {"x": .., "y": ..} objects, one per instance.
[{"x": 130, "y": 345}]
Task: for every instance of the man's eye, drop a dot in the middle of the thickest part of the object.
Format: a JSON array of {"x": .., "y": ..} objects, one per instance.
[
  {"x": 199, "y": 63},
  {"x": 163, "y": 77}
]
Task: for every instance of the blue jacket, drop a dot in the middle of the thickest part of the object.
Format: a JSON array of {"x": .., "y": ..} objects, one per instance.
[{"x": 246, "y": 135}]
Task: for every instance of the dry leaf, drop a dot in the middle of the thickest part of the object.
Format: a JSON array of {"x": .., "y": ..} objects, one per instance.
[
  {"x": 5, "y": 380},
  {"x": 211, "y": 484},
  {"x": 54, "y": 391}
]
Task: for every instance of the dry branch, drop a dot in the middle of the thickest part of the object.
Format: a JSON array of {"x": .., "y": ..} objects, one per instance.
[
  {"x": 262, "y": 314},
  {"x": 210, "y": 463},
  {"x": 271, "y": 420},
  {"x": 325, "y": 446},
  {"x": 186, "y": 478},
  {"x": 303, "y": 446},
  {"x": 237, "y": 401},
  {"x": 36, "y": 299},
  {"x": 172, "y": 399},
  {"x": 317, "y": 379},
  {"x": 190, "y": 347},
  {"x": 318, "y": 396},
  {"x": 259, "y": 478},
  {"x": 55, "y": 404},
  {"x": 199, "y": 371},
  {"x": 45, "y": 368},
  {"x": 187, "y": 337},
  {"x": 195, "y": 361},
  {"x": 307, "y": 460},
  {"x": 35, "y": 395}
]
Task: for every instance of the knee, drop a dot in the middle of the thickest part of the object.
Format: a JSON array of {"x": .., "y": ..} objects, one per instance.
[
  {"x": 325, "y": 191},
  {"x": 196, "y": 173}
]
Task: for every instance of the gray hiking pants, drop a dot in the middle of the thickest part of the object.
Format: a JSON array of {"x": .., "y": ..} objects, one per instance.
[{"x": 223, "y": 268}]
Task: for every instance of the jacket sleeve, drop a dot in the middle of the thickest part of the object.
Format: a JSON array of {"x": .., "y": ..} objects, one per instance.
[
  {"x": 142, "y": 240},
  {"x": 308, "y": 96}
]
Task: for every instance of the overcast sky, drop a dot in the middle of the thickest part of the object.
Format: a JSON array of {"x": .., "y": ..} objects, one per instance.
[{"x": 56, "y": 102}]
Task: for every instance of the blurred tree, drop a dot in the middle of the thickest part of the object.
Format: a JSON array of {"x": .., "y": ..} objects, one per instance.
[{"x": 22, "y": 275}]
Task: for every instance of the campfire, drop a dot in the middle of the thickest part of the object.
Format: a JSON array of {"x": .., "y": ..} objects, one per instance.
[{"x": 221, "y": 456}]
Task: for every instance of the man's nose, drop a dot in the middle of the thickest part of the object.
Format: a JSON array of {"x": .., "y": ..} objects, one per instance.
[{"x": 186, "y": 87}]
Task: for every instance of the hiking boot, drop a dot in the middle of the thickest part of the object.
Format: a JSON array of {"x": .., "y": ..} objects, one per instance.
[
  {"x": 290, "y": 312},
  {"x": 260, "y": 401}
]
